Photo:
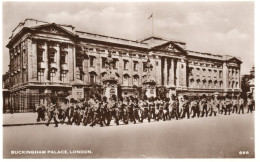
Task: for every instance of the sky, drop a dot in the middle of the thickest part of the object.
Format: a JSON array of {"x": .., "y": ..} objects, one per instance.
[{"x": 215, "y": 27}]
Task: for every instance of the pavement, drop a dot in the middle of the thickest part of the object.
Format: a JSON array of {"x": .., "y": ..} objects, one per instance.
[
  {"x": 21, "y": 119},
  {"x": 223, "y": 136}
]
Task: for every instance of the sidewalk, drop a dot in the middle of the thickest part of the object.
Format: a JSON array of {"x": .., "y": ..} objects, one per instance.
[{"x": 19, "y": 119}]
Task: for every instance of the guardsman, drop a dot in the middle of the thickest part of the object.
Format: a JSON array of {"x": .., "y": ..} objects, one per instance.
[
  {"x": 250, "y": 104},
  {"x": 235, "y": 104},
  {"x": 173, "y": 108},
  {"x": 204, "y": 105},
  {"x": 186, "y": 107},
  {"x": 195, "y": 111},
  {"x": 130, "y": 110},
  {"x": 96, "y": 110},
  {"x": 228, "y": 104},
  {"x": 240, "y": 105},
  {"x": 213, "y": 105},
  {"x": 75, "y": 115},
  {"x": 145, "y": 109},
  {"x": 136, "y": 110},
  {"x": 112, "y": 105},
  {"x": 152, "y": 108},
  {"x": 103, "y": 111},
  {"x": 166, "y": 108},
  {"x": 52, "y": 114}
]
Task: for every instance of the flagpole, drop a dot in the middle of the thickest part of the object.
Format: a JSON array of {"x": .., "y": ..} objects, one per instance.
[{"x": 152, "y": 25}]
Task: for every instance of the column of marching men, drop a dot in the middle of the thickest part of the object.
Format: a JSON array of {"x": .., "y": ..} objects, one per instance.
[{"x": 101, "y": 111}]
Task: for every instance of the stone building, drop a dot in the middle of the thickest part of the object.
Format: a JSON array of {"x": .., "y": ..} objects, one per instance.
[{"x": 55, "y": 59}]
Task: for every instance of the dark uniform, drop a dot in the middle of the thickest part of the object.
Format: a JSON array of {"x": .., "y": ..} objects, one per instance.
[
  {"x": 112, "y": 113},
  {"x": 195, "y": 108},
  {"x": 136, "y": 112},
  {"x": 52, "y": 114},
  {"x": 228, "y": 105},
  {"x": 122, "y": 112},
  {"x": 145, "y": 111},
  {"x": 41, "y": 115},
  {"x": 186, "y": 108},
  {"x": 235, "y": 105},
  {"x": 241, "y": 105},
  {"x": 204, "y": 107},
  {"x": 250, "y": 103},
  {"x": 173, "y": 109},
  {"x": 130, "y": 112},
  {"x": 96, "y": 117}
]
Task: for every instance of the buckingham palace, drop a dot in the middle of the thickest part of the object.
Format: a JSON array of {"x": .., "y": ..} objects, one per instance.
[{"x": 56, "y": 59}]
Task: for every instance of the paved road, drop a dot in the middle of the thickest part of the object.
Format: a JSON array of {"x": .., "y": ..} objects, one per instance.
[{"x": 212, "y": 137}]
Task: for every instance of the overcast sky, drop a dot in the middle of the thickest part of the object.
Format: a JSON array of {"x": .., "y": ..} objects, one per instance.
[{"x": 214, "y": 27}]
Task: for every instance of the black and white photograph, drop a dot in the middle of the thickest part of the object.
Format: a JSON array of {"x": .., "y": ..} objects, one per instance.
[{"x": 124, "y": 80}]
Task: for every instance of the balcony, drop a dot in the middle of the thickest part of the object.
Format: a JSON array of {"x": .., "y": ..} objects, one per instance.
[
  {"x": 64, "y": 67},
  {"x": 41, "y": 65}
]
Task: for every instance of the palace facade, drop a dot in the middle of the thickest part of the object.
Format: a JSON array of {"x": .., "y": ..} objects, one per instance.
[{"x": 54, "y": 59}]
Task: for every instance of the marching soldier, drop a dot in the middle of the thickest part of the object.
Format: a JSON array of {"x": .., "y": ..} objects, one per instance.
[
  {"x": 112, "y": 110},
  {"x": 96, "y": 110},
  {"x": 235, "y": 104},
  {"x": 173, "y": 108},
  {"x": 136, "y": 110},
  {"x": 241, "y": 105},
  {"x": 228, "y": 105},
  {"x": 204, "y": 105},
  {"x": 152, "y": 108},
  {"x": 186, "y": 107},
  {"x": 213, "y": 106},
  {"x": 130, "y": 110},
  {"x": 166, "y": 108},
  {"x": 103, "y": 111},
  {"x": 250, "y": 104},
  {"x": 52, "y": 114},
  {"x": 195, "y": 107},
  {"x": 145, "y": 110}
]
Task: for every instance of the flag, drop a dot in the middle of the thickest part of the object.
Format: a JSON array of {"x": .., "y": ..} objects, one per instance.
[{"x": 150, "y": 16}]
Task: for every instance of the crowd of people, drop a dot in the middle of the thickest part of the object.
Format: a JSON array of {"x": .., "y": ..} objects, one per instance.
[{"x": 101, "y": 111}]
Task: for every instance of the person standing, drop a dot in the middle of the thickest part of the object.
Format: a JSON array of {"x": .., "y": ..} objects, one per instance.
[
  {"x": 40, "y": 113},
  {"x": 240, "y": 105},
  {"x": 173, "y": 108},
  {"x": 204, "y": 105},
  {"x": 186, "y": 107},
  {"x": 250, "y": 104},
  {"x": 235, "y": 105},
  {"x": 52, "y": 114},
  {"x": 228, "y": 105}
]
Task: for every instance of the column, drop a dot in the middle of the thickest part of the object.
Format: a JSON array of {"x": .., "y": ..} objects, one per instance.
[
  {"x": 57, "y": 77},
  {"x": 165, "y": 72},
  {"x": 178, "y": 74},
  {"x": 171, "y": 80}
]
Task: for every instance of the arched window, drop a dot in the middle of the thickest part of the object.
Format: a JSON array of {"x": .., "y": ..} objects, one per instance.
[
  {"x": 126, "y": 80},
  {"x": 135, "y": 80},
  {"x": 92, "y": 77}
]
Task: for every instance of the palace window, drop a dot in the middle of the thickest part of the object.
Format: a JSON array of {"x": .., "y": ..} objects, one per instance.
[
  {"x": 92, "y": 59},
  {"x": 144, "y": 67},
  {"x": 135, "y": 66},
  {"x": 157, "y": 63},
  {"x": 40, "y": 56},
  {"x": 126, "y": 80},
  {"x": 63, "y": 76},
  {"x": 52, "y": 57},
  {"x": 104, "y": 62},
  {"x": 92, "y": 78},
  {"x": 220, "y": 74},
  {"x": 125, "y": 64},
  {"x": 237, "y": 86},
  {"x": 135, "y": 80},
  {"x": 40, "y": 76},
  {"x": 52, "y": 75},
  {"x": 115, "y": 63},
  {"x": 63, "y": 58}
]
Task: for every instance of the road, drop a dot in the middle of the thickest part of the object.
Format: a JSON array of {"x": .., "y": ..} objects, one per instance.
[{"x": 212, "y": 137}]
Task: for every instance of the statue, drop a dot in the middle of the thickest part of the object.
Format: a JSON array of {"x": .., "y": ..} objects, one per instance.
[
  {"x": 109, "y": 64},
  {"x": 149, "y": 67}
]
